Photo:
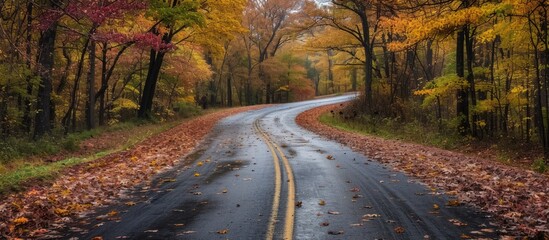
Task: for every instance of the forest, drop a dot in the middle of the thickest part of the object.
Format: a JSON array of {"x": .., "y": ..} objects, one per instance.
[{"x": 474, "y": 67}]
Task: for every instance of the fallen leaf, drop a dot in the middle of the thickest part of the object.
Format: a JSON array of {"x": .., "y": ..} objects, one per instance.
[
  {"x": 465, "y": 236},
  {"x": 355, "y": 189},
  {"x": 40, "y": 231},
  {"x": 112, "y": 213},
  {"x": 225, "y": 191},
  {"x": 21, "y": 220},
  {"x": 200, "y": 164},
  {"x": 333, "y": 212},
  {"x": 457, "y": 222},
  {"x": 223, "y": 231},
  {"x": 321, "y": 202},
  {"x": 336, "y": 232},
  {"x": 179, "y": 225},
  {"x": 97, "y": 238},
  {"x": 299, "y": 204},
  {"x": 130, "y": 203},
  {"x": 436, "y": 206},
  {"x": 197, "y": 174},
  {"x": 399, "y": 230},
  {"x": 324, "y": 224},
  {"x": 330, "y": 157},
  {"x": 453, "y": 203}
]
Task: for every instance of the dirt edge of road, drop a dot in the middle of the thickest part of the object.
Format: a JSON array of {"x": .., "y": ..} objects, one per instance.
[
  {"x": 43, "y": 209},
  {"x": 518, "y": 198}
]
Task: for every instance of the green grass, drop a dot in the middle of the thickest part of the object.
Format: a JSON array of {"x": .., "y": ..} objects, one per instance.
[
  {"x": 24, "y": 162},
  {"x": 393, "y": 129},
  {"x": 15, "y": 180}
]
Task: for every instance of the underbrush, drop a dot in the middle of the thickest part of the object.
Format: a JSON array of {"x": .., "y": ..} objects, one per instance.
[
  {"x": 23, "y": 160},
  {"x": 394, "y": 129},
  {"x": 505, "y": 150}
]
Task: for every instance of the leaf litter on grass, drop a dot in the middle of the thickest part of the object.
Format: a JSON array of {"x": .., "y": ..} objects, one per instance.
[
  {"x": 105, "y": 181},
  {"x": 519, "y": 198}
]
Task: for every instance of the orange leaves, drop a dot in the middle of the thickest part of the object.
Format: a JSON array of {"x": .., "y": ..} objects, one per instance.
[
  {"x": 518, "y": 196},
  {"x": 61, "y": 212},
  {"x": 103, "y": 181},
  {"x": 20, "y": 221}
]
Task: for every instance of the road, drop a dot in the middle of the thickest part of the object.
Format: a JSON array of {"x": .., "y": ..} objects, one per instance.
[{"x": 260, "y": 176}]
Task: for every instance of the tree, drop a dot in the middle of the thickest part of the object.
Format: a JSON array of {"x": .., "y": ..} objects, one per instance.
[{"x": 46, "y": 46}]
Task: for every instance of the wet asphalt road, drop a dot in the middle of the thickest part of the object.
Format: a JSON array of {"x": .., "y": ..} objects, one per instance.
[{"x": 231, "y": 188}]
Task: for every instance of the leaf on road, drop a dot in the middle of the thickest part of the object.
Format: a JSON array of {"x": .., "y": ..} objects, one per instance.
[
  {"x": 196, "y": 174},
  {"x": 330, "y": 157},
  {"x": 130, "y": 203},
  {"x": 333, "y": 213},
  {"x": 331, "y": 232},
  {"x": 200, "y": 164},
  {"x": 368, "y": 217},
  {"x": 355, "y": 189},
  {"x": 399, "y": 230},
  {"x": 453, "y": 203},
  {"x": 299, "y": 204},
  {"x": 457, "y": 222},
  {"x": 223, "y": 231},
  {"x": 321, "y": 202},
  {"x": 179, "y": 225},
  {"x": 436, "y": 206},
  {"x": 112, "y": 213}
]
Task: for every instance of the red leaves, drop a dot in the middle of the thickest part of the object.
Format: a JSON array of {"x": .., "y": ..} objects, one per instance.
[
  {"x": 151, "y": 40},
  {"x": 98, "y": 11}
]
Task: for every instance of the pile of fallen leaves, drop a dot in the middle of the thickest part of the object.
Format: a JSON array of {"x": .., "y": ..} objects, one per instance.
[
  {"x": 79, "y": 190},
  {"x": 519, "y": 198}
]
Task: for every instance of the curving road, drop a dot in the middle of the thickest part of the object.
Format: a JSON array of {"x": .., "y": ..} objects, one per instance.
[{"x": 260, "y": 176}]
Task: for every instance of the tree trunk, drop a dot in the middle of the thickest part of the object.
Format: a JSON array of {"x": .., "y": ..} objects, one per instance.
[
  {"x": 462, "y": 94},
  {"x": 469, "y": 41},
  {"x": 46, "y": 45},
  {"x": 155, "y": 64},
  {"x": 90, "y": 102},
  {"x": 27, "y": 121},
  {"x": 229, "y": 90}
]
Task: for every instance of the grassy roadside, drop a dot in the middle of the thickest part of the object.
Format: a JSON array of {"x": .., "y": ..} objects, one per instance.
[
  {"x": 50, "y": 156},
  {"x": 518, "y": 155},
  {"x": 392, "y": 130}
]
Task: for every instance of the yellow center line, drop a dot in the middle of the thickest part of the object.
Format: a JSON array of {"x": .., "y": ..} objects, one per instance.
[
  {"x": 278, "y": 182},
  {"x": 290, "y": 203}
]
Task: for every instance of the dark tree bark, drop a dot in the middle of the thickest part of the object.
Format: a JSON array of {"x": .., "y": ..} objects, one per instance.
[
  {"x": 27, "y": 120},
  {"x": 462, "y": 94},
  {"x": 469, "y": 41},
  {"x": 156, "y": 59},
  {"x": 229, "y": 90},
  {"x": 46, "y": 45},
  {"x": 90, "y": 102}
]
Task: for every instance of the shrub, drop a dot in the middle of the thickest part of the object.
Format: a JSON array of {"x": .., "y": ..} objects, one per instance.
[{"x": 186, "y": 110}]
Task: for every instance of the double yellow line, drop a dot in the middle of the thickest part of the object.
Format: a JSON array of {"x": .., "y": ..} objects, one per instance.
[{"x": 277, "y": 154}]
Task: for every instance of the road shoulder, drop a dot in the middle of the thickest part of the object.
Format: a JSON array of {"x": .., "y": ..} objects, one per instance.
[{"x": 518, "y": 198}]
